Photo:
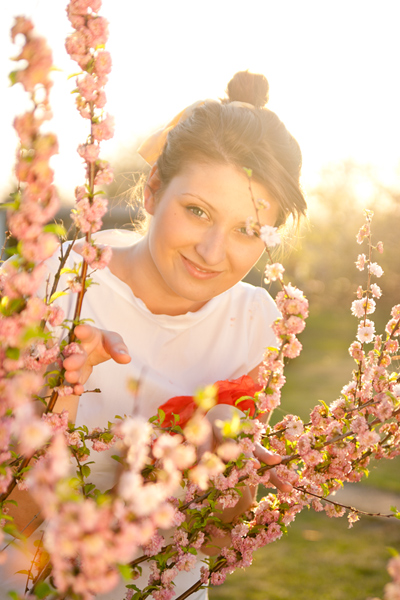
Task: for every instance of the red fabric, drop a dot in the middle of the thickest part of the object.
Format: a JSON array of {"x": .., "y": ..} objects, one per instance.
[{"x": 228, "y": 393}]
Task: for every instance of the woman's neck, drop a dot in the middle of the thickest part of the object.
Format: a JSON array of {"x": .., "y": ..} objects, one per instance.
[{"x": 133, "y": 265}]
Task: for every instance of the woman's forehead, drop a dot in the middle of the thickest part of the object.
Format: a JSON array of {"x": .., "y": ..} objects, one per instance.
[{"x": 223, "y": 188}]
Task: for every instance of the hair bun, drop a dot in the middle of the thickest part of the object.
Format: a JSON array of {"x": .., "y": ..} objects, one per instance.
[{"x": 249, "y": 87}]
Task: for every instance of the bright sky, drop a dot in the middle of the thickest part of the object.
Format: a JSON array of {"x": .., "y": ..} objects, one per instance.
[{"x": 332, "y": 65}]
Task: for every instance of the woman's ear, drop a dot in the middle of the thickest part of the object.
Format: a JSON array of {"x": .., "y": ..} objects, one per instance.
[{"x": 153, "y": 184}]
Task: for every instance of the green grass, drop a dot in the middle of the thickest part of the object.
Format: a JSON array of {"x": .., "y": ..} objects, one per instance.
[{"x": 319, "y": 559}]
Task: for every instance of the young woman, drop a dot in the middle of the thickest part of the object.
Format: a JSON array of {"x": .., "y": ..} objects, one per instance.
[{"x": 171, "y": 311}]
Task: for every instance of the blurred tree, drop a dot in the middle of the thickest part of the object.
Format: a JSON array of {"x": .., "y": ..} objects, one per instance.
[{"x": 322, "y": 259}]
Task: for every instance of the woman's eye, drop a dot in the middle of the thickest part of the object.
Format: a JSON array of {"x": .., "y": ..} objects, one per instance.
[
  {"x": 244, "y": 231},
  {"x": 197, "y": 211}
]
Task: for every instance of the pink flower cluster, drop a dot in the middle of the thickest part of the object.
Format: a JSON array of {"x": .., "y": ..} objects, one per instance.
[
  {"x": 294, "y": 310},
  {"x": 23, "y": 344},
  {"x": 86, "y": 47}
]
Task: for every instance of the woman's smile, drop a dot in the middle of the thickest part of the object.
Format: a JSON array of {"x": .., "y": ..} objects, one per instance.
[{"x": 200, "y": 272}]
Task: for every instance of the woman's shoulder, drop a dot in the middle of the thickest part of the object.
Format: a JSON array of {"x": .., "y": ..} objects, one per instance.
[
  {"x": 110, "y": 237},
  {"x": 244, "y": 293}
]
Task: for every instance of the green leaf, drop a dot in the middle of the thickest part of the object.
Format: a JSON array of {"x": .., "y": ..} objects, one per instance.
[
  {"x": 85, "y": 470},
  {"x": 161, "y": 415},
  {"x": 9, "y": 205},
  {"x": 125, "y": 571},
  {"x": 56, "y": 295},
  {"x": 12, "y": 353},
  {"x": 88, "y": 488},
  {"x": 13, "y": 77},
  {"x": 74, "y": 75},
  {"x": 392, "y": 551},
  {"x": 56, "y": 229},
  {"x": 43, "y": 589},
  {"x": 249, "y": 172}
]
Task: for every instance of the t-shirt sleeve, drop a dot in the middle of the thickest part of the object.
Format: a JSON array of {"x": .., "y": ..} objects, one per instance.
[{"x": 261, "y": 316}]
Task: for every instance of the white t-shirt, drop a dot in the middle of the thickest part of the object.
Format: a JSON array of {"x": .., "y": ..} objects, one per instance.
[{"x": 171, "y": 355}]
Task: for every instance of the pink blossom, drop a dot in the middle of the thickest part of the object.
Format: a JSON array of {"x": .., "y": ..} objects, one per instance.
[
  {"x": 363, "y": 233},
  {"x": 88, "y": 87},
  {"x": 217, "y": 578},
  {"x": 356, "y": 351},
  {"x": 89, "y": 252},
  {"x": 57, "y": 421},
  {"x": 74, "y": 284},
  {"x": 31, "y": 431},
  {"x": 22, "y": 25},
  {"x": 364, "y": 306},
  {"x": 292, "y": 348},
  {"x": 104, "y": 130},
  {"x": 76, "y": 46},
  {"x": 73, "y": 439},
  {"x": 366, "y": 331},
  {"x": 379, "y": 247},
  {"x": 154, "y": 546},
  {"x": 375, "y": 269},
  {"x": 228, "y": 451},
  {"x": 64, "y": 390},
  {"x": 205, "y": 574},
  {"x": 270, "y": 236},
  {"x": 102, "y": 258},
  {"x": 360, "y": 263},
  {"x": 268, "y": 402},
  {"x": 186, "y": 562},
  {"x": 100, "y": 101},
  {"x": 98, "y": 28},
  {"x": 376, "y": 290},
  {"x": 251, "y": 225},
  {"x": 55, "y": 315},
  {"x": 164, "y": 593},
  {"x": 103, "y": 173},
  {"x": 391, "y": 346},
  {"x": 169, "y": 575},
  {"x": 41, "y": 248},
  {"x": 102, "y": 63},
  {"x": 395, "y": 312},
  {"x": 273, "y": 272},
  {"x": 89, "y": 152},
  {"x": 197, "y": 430},
  {"x": 393, "y": 327}
]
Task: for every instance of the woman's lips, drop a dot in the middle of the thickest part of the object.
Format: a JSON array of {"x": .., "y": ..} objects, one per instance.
[{"x": 197, "y": 271}]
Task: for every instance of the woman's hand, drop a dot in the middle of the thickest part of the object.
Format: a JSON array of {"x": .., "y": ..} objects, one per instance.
[
  {"x": 225, "y": 412},
  {"x": 97, "y": 346}
]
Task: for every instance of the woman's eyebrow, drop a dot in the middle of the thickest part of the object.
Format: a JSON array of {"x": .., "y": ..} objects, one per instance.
[{"x": 199, "y": 198}]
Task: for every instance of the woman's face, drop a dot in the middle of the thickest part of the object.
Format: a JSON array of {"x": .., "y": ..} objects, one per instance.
[{"x": 198, "y": 246}]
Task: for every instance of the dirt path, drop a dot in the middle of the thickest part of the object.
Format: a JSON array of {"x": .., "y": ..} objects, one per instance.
[{"x": 366, "y": 498}]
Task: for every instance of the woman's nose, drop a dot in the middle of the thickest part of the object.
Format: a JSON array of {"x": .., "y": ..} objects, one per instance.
[{"x": 212, "y": 247}]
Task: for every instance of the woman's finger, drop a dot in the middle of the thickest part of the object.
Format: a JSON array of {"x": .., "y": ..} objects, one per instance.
[
  {"x": 270, "y": 458},
  {"x": 115, "y": 346},
  {"x": 282, "y": 486},
  {"x": 267, "y": 457}
]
